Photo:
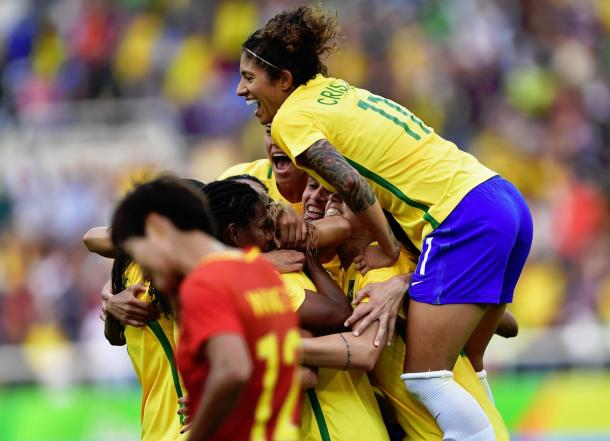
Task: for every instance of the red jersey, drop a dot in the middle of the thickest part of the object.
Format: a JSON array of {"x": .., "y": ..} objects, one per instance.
[{"x": 237, "y": 293}]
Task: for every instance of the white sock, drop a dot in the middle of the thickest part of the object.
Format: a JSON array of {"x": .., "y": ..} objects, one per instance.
[
  {"x": 457, "y": 413},
  {"x": 483, "y": 379}
]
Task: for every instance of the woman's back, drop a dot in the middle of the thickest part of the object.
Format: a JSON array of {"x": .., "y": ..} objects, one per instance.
[{"x": 417, "y": 176}]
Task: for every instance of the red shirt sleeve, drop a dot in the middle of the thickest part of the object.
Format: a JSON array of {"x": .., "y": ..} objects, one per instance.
[{"x": 207, "y": 308}]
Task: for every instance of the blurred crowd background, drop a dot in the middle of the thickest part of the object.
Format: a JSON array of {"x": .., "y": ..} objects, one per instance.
[{"x": 95, "y": 92}]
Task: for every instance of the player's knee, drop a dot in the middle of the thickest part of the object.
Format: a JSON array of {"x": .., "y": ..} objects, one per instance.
[{"x": 457, "y": 413}]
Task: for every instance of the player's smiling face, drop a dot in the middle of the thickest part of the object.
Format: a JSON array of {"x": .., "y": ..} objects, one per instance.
[
  {"x": 315, "y": 198},
  {"x": 259, "y": 90},
  {"x": 284, "y": 170}
]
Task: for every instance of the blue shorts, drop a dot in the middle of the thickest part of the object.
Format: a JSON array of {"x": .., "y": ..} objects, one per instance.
[{"x": 477, "y": 253}]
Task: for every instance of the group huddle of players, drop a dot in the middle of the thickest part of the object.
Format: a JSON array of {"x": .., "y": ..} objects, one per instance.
[
  {"x": 336, "y": 393},
  {"x": 344, "y": 288}
]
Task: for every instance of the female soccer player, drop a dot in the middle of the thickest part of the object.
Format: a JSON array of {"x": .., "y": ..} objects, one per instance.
[{"x": 473, "y": 227}]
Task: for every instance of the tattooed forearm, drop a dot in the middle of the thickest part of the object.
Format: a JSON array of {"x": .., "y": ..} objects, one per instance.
[
  {"x": 333, "y": 168},
  {"x": 395, "y": 242}
]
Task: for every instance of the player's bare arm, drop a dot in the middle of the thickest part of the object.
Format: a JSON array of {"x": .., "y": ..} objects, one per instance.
[
  {"x": 114, "y": 331},
  {"x": 324, "y": 159},
  {"x": 320, "y": 315},
  {"x": 230, "y": 371},
  {"x": 97, "y": 240},
  {"x": 325, "y": 285},
  {"x": 290, "y": 229},
  {"x": 285, "y": 261},
  {"x": 331, "y": 231},
  {"x": 322, "y": 311},
  {"x": 343, "y": 351},
  {"x": 322, "y": 233}
]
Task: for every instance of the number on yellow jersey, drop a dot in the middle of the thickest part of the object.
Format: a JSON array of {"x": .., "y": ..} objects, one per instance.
[{"x": 398, "y": 108}]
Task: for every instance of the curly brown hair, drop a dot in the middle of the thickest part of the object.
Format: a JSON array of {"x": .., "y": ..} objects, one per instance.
[{"x": 294, "y": 40}]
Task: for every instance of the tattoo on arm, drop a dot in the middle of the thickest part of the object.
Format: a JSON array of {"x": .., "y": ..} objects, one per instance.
[
  {"x": 332, "y": 167},
  {"x": 395, "y": 241}
]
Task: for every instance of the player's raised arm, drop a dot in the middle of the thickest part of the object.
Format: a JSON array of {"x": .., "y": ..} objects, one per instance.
[
  {"x": 97, "y": 240},
  {"x": 322, "y": 158}
]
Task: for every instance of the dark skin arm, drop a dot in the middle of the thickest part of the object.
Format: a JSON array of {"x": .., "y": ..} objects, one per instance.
[
  {"x": 286, "y": 261},
  {"x": 324, "y": 159},
  {"x": 326, "y": 285},
  {"x": 320, "y": 315},
  {"x": 325, "y": 311},
  {"x": 113, "y": 329}
]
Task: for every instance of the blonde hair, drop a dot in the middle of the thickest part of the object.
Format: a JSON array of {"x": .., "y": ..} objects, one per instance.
[{"x": 275, "y": 209}]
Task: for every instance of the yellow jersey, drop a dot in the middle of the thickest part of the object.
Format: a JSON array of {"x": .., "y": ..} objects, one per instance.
[
  {"x": 151, "y": 349},
  {"x": 333, "y": 268},
  {"x": 415, "y": 174},
  {"x": 262, "y": 170},
  {"x": 296, "y": 283},
  {"x": 411, "y": 414},
  {"x": 342, "y": 406}
]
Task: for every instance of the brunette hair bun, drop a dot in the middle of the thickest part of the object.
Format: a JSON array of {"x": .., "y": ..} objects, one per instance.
[{"x": 295, "y": 40}]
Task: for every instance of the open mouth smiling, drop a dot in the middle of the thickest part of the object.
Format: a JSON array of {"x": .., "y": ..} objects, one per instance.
[{"x": 281, "y": 161}]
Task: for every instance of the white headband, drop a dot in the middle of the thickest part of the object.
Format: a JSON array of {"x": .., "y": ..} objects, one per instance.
[{"x": 261, "y": 58}]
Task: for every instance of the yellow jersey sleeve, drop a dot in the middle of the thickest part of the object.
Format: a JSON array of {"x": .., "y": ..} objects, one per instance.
[
  {"x": 296, "y": 133},
  {"x": 133, "y": 275},
  {"x": 296, "y": 283},
  {"x": 333, "y": 268},
  {"x": 260, "y": 168}
]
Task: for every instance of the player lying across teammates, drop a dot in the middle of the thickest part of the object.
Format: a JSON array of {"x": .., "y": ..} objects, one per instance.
[{"x": 387, "y": 198}]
